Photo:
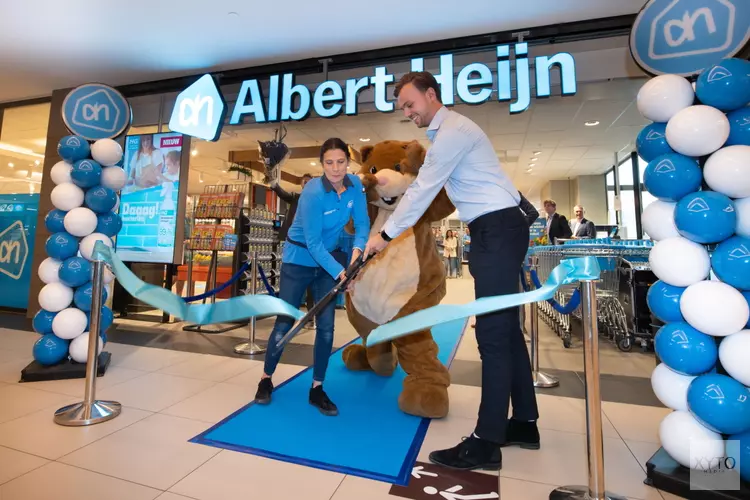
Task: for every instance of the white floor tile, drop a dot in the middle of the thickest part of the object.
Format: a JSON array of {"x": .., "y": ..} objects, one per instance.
[
  {"x": 211, "y": 368},
  {"x": 230, "y": 475},
  {"x": 154, "y": 452},
  {"x": 250, "y": 378},
  {"x": 359, "y": 488},
  {"x": 18, "y": 340},
  {"x": 147, "y": 359},
  {"x": 10, "y": 371},
  {"x": 14, "y": 464},
  {"x": 62, "y": 482},
  {"x": 634, "y": 422},
  {"x": 38, "y": 434},
  {"x": 77, "y": 387},
  {"x": 18, "y": 401},
  {"x": 643, "y": 451},
  {"x": 214, "y": 404},
  {"x": 171, "y": 496},
  {"x": 154, "y": 391}
]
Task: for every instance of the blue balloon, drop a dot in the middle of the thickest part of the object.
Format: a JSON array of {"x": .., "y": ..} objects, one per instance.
[
  {"x": 82, "y": 296},
  {"x": 686, "y": 350},
  {"x": 738, "y": 448},
  {"x": 103, "y": 335},
  {"x": 731, "y": 262},
  {"x": 86, "y": 173},
  {"x": 725, "y": 86},
  {"x": 670, "y": 177},
  {"x": 75, "y": 272},
  {"x": 72, "y": 148},
  {"x": 106, "y": 319},
  {"x": 42, "y": 322},
  {"x": 705, "y": 217},
  {"x": 100, "y": 199},
  {"x": 54, "y": 221},
  {"x": 61, "y": 245},
  {"x": 109, "y": 224},
  {"x": 652, "y": 142},
  {"x": 720, "y": 403},
  {"x": 664, "y": 301},
  {"x": 739, "y": 127},
  {"x": 50, "y": 350}
]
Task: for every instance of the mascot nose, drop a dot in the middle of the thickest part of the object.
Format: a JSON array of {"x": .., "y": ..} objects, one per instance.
[{"x": 382, "y": 181}]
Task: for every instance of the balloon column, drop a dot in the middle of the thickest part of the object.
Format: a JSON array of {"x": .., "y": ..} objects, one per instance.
[
  {"x": 85, "y": 200},
  {"x": 698, "y": 154}
]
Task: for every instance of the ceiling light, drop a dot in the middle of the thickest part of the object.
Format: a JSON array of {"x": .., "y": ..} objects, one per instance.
[
  {"x": 364, "y": 139},
  {"x": 532, "y": 164},
  {"x": 537, "y": 153},
  {"x": 11, "y": 165},
  {"x": 37, "y": 162},
  {"x": 194, "y": 152},
  {"x": 312, "y": 163},
  {"x": 16, "y": 149},
  {"x": 593, "y": 123}
]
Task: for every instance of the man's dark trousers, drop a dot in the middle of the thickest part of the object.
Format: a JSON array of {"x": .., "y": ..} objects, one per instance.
[{"x": 499, "y": 241}]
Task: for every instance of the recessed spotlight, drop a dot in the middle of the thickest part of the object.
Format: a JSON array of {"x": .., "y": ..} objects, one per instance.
[
  {"x": 592, "y": 123},
  {"x": 11, "y": 165},
  {"x": 194, "y": 152},
  {"x": 364, "y": 139},
  {"x": 537, "y": 153},
  {"x": 37, "y": 162},
  {"x": 313, "y": 163}
]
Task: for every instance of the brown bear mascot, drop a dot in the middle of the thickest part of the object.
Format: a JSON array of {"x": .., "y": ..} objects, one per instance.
[{"x": 406, "y": 277}]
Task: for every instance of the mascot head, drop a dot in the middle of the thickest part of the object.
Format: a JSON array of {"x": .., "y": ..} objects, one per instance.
[
  {"x": 388, "y": 168},
  {"x": 273, "y": 154}
]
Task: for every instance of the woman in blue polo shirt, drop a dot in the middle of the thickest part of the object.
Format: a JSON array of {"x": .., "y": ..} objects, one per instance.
[{"x": 312, "y": 259}]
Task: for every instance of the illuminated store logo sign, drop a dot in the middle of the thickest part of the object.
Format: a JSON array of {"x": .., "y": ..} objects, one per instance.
[
  {"x": 14, "y": 250},
  {"x": 195, "y": 114}
]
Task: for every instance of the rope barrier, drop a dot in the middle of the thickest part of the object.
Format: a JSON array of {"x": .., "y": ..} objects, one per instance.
[
  {"x": 218, "y": 289},
  {"x": 568, "y": 308},
  {"x": 263, "y": 278}
]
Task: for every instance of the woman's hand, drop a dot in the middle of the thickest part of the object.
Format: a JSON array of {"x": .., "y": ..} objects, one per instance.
[{"x": 355, "y": 255}]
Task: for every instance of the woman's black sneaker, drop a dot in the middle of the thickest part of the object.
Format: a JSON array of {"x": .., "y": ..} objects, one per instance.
[
  {"x": 319, "y": 399},
  {"x": 265, "y": 388}
]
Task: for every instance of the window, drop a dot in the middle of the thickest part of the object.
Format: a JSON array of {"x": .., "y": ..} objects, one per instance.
[
  {"x": 23, "y": 138},
  {"x": 629, "y": 217}
]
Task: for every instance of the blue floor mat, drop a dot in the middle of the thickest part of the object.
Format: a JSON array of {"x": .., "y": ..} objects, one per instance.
[{"x": 371, "y": 437}]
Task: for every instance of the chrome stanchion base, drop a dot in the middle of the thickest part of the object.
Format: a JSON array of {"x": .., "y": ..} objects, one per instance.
[
  {"x": 250, "y": 348},
  {"x": 76, "y": 415},
  {"x": 580, "y": 493},
  {"x": 545, "y": 380}
]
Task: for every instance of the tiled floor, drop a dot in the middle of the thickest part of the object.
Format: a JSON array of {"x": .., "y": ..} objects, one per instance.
[{"x": 171, "y": 395}]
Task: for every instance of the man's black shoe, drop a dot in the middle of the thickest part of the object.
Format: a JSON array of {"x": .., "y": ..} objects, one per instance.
[
  {"x": 523, "y": 434},
  {"x": 473, "y": 453},
  {"x": 319, "y": 399},
  {"x": 265, "y": 388}
]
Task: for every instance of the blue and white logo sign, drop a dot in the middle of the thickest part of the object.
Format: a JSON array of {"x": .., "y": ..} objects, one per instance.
[
  {"x": 199, "y": 110},
  {"x": 683, "y": 37},
  {"x": 14, "y": 250},
  {"x": 95, "y": 111}
]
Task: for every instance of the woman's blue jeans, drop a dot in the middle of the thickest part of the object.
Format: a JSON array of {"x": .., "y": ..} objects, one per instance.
[{"x": 294, "y": 281}]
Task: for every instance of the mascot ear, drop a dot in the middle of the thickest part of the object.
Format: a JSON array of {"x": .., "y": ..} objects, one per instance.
[
  {"x": 415, "y": 154},
  {"x": 365, "y": 152}
]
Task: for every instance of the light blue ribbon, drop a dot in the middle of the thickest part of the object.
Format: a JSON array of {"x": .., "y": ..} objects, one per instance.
[
  {"x": 234, "y": 309},
  {"x": 567, "y": 272}
]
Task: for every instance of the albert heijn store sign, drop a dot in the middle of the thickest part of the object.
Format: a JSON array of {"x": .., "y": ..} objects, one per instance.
[{"x": 200, "y": 110}]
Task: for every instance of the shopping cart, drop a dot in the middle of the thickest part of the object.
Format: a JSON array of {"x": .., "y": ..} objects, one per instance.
[{"x": 625, "y": 276}]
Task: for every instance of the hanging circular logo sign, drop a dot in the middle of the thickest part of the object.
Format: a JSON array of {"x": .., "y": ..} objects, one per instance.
[
  {"x": 683, "y": 37},
  {"x": 95, "y": 111}
]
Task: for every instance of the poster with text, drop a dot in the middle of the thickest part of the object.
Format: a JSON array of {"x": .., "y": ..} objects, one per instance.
[{"x": 148, "y": 202}]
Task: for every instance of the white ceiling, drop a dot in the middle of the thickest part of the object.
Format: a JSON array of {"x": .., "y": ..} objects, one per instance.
[{"x": 49, "y": 44}]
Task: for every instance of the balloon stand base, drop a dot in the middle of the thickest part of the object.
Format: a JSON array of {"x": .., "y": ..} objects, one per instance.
[
  {"x": 63, "y": 370},
  {"x": 664, "y": 473}
]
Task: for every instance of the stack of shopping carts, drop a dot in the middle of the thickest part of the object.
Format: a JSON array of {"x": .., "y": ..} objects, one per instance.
[{"x": 624, "y": 317}]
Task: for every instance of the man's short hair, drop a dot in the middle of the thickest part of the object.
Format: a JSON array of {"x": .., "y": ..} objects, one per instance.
[
  {"x": 550, "y": 202},
  {"x": 422, "y": 80},
  {"x": 307, "y": 176}
]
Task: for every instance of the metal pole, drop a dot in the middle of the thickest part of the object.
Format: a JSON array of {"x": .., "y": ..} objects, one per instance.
[
  {"x": 541, "y": 379},
  {"x": 594, "y": 439},
  {"x": 91, "y": 411},
  {"x": 250, "y": 347}
]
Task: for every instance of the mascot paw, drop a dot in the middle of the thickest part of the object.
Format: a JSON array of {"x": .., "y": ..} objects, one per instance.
[
  {"x": 355, "y": 358},
  {"x": 424, "y": 400}
]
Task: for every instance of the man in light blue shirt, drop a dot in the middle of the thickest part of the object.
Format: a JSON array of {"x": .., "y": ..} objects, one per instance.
[{"x": 462, "y": 159}]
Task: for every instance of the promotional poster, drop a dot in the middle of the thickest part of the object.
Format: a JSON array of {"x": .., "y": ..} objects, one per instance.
[
  {"x": 18, "y": 215},
  {"x": 149, "y": 200}
]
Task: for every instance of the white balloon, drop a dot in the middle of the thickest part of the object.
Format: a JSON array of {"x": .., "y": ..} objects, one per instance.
[
  {"x": 87, "y": 244},
  {"x": 658, "y": 220},
  {"x": 60, "y": 173},
  {"x": 79, "y": 348},
  {"x": 114, "y": 178},
  {"x": 67, "y": 196},
  {"x": 742, "y": 208},
  {"x": 688, "y": 442},
  {"x": 733, "y": 354},
  {"x": 49, "y": 270},
  {"x": 69, "y": 323},
  {"x": 679, "y": 262},
  {"x": 714, "y": 308},
  {"x": 670, "y": 387},
  {"x": 697, "y": 130},
  {"x": 106, "y": 152},
  {"x": 107, "y": 277},
  {"x": 55, "y": 297},
  {"x": 727, "y": 171},
  {"x": 662, "y": 97},
  {"x": 80, "y": 222}
]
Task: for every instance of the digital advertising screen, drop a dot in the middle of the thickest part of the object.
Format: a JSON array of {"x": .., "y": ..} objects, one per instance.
[{"x": 150, "y": 208}]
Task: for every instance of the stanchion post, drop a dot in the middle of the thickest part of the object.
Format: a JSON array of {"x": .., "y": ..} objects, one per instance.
[
  {"x": 541, "y": 379},
  {"x": 250, "y": 347},
  {"x": 594, "y": 439},
  {"x": 91, "y": 411}
]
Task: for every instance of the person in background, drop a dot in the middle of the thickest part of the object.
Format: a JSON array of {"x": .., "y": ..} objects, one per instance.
[
  {"x": 311, "y": 259},
  {"x": 581, "y": 227},
  {"x": 450, "y": 249},
  {"x": 557, "y": 224},
  {"x": 467, "y": 243}
]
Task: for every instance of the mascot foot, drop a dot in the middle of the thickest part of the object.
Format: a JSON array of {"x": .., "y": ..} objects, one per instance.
[
  {"x": 380, "y": 358},
  {"x": 355, "y": 358},
  {"x": 424, "y": 400}
]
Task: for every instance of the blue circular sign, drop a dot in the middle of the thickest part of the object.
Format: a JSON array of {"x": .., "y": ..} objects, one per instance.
[
  {"x": 684, "y": 37},
  {"x": 95, "y": 111}
]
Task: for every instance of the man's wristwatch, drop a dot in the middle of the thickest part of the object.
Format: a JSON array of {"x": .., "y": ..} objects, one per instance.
[{"x": 385, "y": 236}]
